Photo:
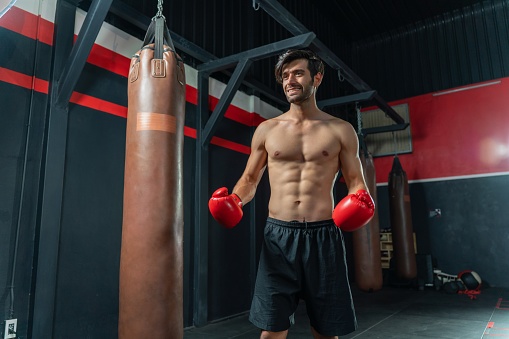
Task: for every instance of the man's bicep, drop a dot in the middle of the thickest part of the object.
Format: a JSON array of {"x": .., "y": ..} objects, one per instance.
[
  {"x": 351, "y": 167},
  {"x": 258, "y": 157}
]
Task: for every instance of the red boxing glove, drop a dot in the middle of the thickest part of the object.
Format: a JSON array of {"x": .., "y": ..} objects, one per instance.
[
  {"x": 354, "y": 211},
  {"x": 226, "y": 209}
]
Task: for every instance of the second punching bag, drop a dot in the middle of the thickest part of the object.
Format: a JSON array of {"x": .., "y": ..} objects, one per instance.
[
  {"x": 151, "y": 259},
  {"x": 401, "y": 222},
  {"x": 366, "y": 240}
]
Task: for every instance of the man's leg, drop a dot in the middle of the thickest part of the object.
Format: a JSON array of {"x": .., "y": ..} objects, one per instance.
[
  {"x": 273, "y": 335},
  {"x": 317, "y": 335}
]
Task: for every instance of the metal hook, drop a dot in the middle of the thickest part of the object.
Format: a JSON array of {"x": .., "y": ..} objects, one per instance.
[{"x": 341, "y": 77}]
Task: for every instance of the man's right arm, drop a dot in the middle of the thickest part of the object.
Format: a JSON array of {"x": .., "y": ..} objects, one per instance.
[{"x": 227, "y": 208}]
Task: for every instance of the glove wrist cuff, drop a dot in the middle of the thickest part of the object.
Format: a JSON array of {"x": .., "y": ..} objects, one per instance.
[{"x": 237, "y": 199}]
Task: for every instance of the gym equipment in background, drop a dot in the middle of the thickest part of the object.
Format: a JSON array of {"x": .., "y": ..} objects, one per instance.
[
  {"x": 366, "y": 240},
  {"x": 401, "y": 222}
]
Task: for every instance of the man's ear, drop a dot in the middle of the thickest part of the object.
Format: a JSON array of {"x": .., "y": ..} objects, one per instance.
[{"x": 317, "y": 79}]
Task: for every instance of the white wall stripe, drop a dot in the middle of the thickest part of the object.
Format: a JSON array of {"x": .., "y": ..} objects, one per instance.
[{"x": 459, "y": 177}]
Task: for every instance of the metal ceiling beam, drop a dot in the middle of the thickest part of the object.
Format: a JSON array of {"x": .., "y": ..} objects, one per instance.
[
  {"x": 287, "y": 20},
  {"x": 360, "y": 97},
  {"x": 382, "y": 129},
  {"x": 302, "y": 40},
  {"x": 243, "y": 61},
  {"x": 141, "y": 21}
]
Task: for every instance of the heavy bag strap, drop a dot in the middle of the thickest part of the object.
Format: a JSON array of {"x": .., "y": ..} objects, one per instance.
[{"x": 158, "y": 34}]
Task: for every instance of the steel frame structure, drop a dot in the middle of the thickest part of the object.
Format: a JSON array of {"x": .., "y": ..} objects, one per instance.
[{"x": 68, "y": 62}]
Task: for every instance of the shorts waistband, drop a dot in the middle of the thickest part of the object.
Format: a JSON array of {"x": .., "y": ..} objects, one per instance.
[{"x": 300, "y": 224}]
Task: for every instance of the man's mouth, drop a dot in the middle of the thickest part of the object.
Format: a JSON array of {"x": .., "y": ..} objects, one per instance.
[{"x": 291, "y": 90}]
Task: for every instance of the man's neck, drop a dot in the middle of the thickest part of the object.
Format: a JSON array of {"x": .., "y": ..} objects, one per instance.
[{"x": 304, "y": 110}]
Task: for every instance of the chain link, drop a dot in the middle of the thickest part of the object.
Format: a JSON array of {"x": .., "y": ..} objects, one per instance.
[
  {"x": 159, "y": 10},
  {"x": 359, "y": 119}
]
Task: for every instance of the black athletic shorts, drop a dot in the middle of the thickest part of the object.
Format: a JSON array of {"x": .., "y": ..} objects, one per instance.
[{"x": 303, "y": 260}]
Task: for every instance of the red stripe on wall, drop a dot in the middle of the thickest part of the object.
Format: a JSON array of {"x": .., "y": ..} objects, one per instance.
[
  {"x": 25, "y": 81},
  {"x": 15, "y": 78},
  {"x": 45, "y": 34},
  {"x": 41, "y": 86},
  {"x": 25, "y": 23},
  {"x": 98, "y": 104},
  {"x": 232, "y": 112},
  {"x": 20, "y": 21},
  {"x": 107, "y": 59},
  {"x": 34, "y": 27},
  {"x": 230, "y": 144}
]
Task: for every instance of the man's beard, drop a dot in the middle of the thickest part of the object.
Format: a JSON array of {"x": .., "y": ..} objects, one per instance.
[{"x": 306, "y": 92}]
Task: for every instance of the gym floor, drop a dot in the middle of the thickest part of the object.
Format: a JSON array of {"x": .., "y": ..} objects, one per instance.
[{"x": 397, "y": 312}]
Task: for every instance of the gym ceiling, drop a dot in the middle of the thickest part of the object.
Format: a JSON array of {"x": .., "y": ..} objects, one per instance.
[{"x": 204, "y": 30}]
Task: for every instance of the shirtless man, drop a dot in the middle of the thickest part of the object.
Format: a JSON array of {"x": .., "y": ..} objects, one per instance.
[{"x": 303, "y": 252}]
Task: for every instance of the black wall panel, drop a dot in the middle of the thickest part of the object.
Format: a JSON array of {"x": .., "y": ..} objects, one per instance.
[
  {"x": 89, "y": 253},
  {"x": 229, "y": 249},
  {"x": 22, "y": 120}
]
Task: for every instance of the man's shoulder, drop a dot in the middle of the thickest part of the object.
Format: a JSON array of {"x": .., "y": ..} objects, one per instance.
[
  {"x": 269, "y": 123},
  {"x": 337, "y": 122}
]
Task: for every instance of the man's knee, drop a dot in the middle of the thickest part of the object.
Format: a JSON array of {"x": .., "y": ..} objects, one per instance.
[{"x": 273, "y": 335}]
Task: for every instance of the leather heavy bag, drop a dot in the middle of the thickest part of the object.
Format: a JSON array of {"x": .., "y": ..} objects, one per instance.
[
  {"x": 151, "y": 261},
  {"x": 401, "y": 223},
  {"x": 366, "y": 240}
]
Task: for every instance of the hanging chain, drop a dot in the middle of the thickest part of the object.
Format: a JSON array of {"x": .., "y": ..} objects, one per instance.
[
  {"x": 159, "y": 10},
  {"x": 395, "y": 143},
  {"x": 359, "y": 119}
]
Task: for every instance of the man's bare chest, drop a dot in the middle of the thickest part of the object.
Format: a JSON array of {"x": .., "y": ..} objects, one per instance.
[{"x": 301, "y": 145}]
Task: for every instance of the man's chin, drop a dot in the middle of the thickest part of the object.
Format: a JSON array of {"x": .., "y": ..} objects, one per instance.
[{"x": 294, "y": 99}]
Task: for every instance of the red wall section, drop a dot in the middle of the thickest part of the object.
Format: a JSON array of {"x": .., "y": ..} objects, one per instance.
[{"x": 463, "y": 132}]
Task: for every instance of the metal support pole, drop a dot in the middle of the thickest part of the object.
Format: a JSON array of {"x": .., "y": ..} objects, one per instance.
[
  {"x": 346, "y": 99},
  {"x": 53, "y": 182},
  {"x": 201, "y": 233},
  {"x": 63, "y": 82}
]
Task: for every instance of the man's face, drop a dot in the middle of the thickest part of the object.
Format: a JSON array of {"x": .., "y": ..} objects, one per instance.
[{"x": 297, "y": 82}]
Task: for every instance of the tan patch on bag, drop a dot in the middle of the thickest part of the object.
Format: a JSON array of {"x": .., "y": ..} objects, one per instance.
[{"x": 148, "y": 121}]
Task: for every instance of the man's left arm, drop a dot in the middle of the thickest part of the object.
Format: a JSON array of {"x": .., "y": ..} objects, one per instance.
[{"x": 358, "y": 207}]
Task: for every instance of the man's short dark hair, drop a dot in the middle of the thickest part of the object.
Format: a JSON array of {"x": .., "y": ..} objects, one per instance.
[{"x": 315, "y": 64}]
